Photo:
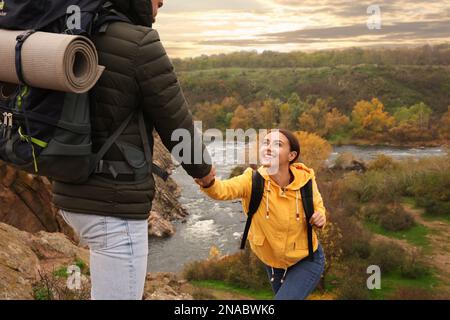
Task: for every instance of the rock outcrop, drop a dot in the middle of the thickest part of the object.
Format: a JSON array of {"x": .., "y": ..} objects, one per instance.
[
  {"x": 25, "y": 200},
  {"x": 34, "y": 266},
  {"x": 26, "y": 257}
]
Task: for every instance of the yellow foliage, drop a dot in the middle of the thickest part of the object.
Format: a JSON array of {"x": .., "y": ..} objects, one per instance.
[
  {"x": 214, "y": 253},
  {"x": 370, "y": 117},
  {"x": 314, "y": 150}
]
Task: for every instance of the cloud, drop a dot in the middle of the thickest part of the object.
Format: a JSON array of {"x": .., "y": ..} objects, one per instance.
[
  {"x": 213, "y": 26},
  {"x": 410, "y": 30}
]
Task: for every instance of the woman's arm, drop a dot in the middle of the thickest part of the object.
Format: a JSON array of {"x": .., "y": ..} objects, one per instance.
[
  {"x": 235, "y": 188},
  {"x": 319, "y": 217}
]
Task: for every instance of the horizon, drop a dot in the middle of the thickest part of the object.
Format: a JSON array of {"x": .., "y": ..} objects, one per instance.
[
  {"x": 374, "y": 47},
  {"x": 216, "y": 27}
]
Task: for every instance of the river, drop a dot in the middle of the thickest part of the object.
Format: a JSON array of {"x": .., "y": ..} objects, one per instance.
[{"x": 217, "y": 223}]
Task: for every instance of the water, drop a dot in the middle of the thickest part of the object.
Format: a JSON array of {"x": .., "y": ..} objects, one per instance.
[{"x": 220, "y": 223}]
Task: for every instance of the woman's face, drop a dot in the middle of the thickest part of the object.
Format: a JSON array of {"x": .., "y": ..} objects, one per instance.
[
  {"x": 275, "y": 150},
  {"x": 156, "y": 4}
]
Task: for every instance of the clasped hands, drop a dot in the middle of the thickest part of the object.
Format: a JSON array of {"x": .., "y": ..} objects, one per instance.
[{"x": 207, "y": 180}]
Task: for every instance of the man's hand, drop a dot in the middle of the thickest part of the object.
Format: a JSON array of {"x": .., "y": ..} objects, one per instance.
[
  {"x": 208, "y": 179},
  {"x": 317, "y": 220}
]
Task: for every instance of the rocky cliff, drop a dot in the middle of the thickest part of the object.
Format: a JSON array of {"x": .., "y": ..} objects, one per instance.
[{"x": 25, "y": 200}]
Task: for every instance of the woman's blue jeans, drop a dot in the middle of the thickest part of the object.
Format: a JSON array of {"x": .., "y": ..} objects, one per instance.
[{"x": 301, "y": 279}]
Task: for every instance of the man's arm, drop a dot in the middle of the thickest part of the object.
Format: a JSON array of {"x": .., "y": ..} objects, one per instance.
[{"x": 164, "y": 103}]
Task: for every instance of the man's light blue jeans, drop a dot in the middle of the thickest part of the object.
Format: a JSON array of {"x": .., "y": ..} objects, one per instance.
[{"x": 118, "y": 254}]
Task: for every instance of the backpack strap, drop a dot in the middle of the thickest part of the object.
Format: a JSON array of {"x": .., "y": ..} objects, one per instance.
[
  {"x": 308, "y": 206},
  {"x": 119, "y": 167},
  {"x": 106, "y": 16},
  {"x": 108, "y": 143},
  {"x": 255, "y": 200},
  {"x": 163, "y": 174},
  {"x": 20, "y": 39}
]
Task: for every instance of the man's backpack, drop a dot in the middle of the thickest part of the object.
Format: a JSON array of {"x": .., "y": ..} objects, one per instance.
[
  {"x": 255, "y": 201},
  {"x": 48, "y": 132}
]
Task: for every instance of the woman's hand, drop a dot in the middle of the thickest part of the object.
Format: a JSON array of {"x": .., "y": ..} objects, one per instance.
[{"x": 317, "y": 220}]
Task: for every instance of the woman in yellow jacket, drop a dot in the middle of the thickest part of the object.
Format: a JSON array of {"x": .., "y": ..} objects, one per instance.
[{"x": 278, "y": 233}]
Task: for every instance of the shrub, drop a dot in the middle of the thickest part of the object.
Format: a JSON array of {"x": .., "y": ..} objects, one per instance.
[
  {"x": 396, "y": 219},
  {"x": 354, "y": 286},
  {"x": 412, "y": 268},
  {"x": 242, "y": 269},
  {"x": 382, "y": 162},
  {"x": 388, "y": 255},
  {"x": 432, "y": 191}
]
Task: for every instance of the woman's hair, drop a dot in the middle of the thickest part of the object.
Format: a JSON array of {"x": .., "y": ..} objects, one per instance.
[{"x": 294, "y": 145}]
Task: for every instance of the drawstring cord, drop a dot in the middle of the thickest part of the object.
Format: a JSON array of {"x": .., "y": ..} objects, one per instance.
[
  {"x": 297, "y": 212},
  {"x": 272, "y": 279},
  {"x": 267, "y": 199},
  {"x": 284, "y": 276}
]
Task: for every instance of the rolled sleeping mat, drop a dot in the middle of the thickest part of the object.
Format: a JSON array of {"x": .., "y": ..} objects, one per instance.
[{"x": 51, "y": 61}]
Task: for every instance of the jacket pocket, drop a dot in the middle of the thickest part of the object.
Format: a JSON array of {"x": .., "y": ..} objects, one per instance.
[{"x": 257, "y": 239}]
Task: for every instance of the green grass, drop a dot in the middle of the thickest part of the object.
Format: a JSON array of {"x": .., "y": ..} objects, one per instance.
[
  {"x": 223, "y": 286},
  {"x": 417, "y": 235},
  {"x": 393, "y": 281},
  {"x": 61, "y": 272},
  {"x": 427, "y": 216},
  {"x": 328, "y": 279}
]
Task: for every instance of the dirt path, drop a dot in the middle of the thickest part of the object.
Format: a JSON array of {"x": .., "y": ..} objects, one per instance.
[{"x": 439, "y": 237}]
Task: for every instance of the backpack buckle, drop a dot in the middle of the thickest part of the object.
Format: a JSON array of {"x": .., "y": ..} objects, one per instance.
[
  {"x": 23, "y": 36},
  {"x": 99, "y": 168}
]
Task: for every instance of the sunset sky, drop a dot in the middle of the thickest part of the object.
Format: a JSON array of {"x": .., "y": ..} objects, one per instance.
[{"x": 191, "y": 28}]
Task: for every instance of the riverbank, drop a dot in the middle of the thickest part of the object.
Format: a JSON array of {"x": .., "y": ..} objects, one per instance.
[{"x": 407, "y": 144}]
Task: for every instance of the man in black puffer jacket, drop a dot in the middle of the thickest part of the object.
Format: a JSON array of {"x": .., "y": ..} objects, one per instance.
[{"x": 110, "y": 212}]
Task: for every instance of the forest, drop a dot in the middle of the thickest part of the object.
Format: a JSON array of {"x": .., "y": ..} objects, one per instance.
[{"x": 349, "y": 96}]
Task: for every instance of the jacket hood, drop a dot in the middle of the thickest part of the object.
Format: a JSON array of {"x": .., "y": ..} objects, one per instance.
[
  {"x": 302, "y": 174},
  {"x": 139, "y": 11}
]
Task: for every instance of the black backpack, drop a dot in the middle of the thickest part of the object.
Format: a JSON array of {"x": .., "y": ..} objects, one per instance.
[
  {"x": 47, "y": 132},
  {"x": 255, "y": 201}
]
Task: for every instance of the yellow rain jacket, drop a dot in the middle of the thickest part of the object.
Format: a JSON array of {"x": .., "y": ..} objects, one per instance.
[{"x": 276, "y": 236}]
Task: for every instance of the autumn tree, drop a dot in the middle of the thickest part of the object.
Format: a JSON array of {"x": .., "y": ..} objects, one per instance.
[
  {"x": 285, "y": 116},
  {"x": 412, "y": 123},
  {"x": 297, "y": 107},
  {"x": 313, "y": 120},
  {"x": 370, "y": 120},
  {"x": 444, "y": 125},
  {"x": 335, "y": 122},
  {"x": 270, "y": 113},
  {"x": 314, "y": 150},
  {"x": 241, "y": 118}
]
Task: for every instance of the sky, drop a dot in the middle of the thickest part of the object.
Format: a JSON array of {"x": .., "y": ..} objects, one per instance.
[{"x": 190, "y": 28}]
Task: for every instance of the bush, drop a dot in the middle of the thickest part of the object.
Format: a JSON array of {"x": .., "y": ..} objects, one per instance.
[
  {"x": 355, "y": 241},
  {"x": 388, "y": 255},
  {"x": 396, "y": 219},
  {"x": 412, "y": 268},
  {"x": 354, "y": 286},
  {"x": 432, "y": 192},
  {"x": 382, "y": 162},
  {"x": 362, "y": 249},
  {"x": 414, "y": 271},
  {"x": 242, "y": 269}
]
